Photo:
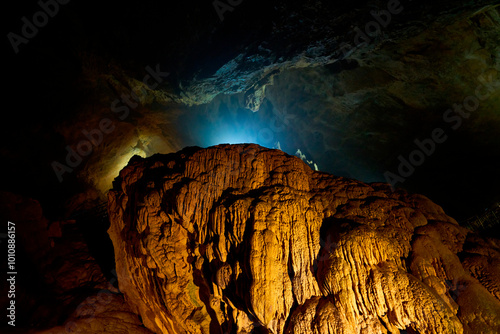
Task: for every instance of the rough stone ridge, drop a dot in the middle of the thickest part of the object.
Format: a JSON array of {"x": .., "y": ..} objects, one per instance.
[{"x": 240, "y": 239}]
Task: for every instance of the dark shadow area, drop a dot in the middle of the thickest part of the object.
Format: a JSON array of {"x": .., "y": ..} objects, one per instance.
[{"x": 93, "y": 224}]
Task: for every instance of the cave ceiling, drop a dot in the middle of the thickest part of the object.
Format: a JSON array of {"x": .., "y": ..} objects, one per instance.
[{"x": 381, "y": 91}]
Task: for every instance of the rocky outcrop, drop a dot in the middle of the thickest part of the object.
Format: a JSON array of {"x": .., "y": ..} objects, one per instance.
[
  {"x": 318, "y": 33},
  {"x": 240, "y": 239}
]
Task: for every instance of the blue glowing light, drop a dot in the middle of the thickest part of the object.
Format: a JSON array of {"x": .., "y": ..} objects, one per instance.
[
  {"x": 224, "y": 134},
  {"x": 231, "y": 126}
]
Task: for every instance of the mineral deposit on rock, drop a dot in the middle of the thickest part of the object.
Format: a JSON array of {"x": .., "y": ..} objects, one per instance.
[{"x": 241, "y": 239}]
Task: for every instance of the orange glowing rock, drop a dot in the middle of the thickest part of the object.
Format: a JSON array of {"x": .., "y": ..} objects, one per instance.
[{"x": 238, "y": 237}]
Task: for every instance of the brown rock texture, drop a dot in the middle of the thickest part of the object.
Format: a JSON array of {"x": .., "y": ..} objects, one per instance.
[
  {"x": 241, "y": 239},
  {"x": 60, "y": 287},
  {"x": 101, "y": 313}
]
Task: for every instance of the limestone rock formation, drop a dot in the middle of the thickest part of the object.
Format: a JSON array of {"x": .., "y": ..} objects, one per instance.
[{"x": 241, "y": 239}]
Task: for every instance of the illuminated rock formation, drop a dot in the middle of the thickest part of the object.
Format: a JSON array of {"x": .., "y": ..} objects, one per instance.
[{"x": 240, "y": 239}]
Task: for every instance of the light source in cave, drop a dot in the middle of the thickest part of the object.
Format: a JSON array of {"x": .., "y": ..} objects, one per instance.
[
  {"x": 231, "y": 137},
  {"x": 225, "y": 133},
  {"x": 226, "y": 122},
  {"x": 124, "y": 159},
  {"x": 104, "y": 183}
]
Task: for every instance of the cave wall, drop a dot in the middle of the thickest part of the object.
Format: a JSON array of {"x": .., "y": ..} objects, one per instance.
[{"x": 274, "y": 73}]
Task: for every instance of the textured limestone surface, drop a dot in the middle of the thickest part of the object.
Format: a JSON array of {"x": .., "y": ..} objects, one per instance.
[{"x": 241, "y": 239}]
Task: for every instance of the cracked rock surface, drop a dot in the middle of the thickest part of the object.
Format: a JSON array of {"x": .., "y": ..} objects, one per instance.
[{"x": 241, "y": 239}]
